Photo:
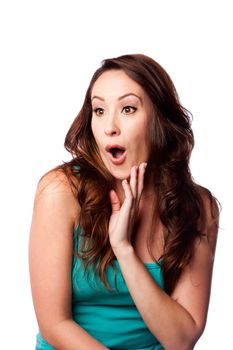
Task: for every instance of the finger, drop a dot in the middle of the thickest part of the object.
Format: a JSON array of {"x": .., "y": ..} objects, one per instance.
[
  {"x": 128, "y": 205},
  {"x": 141, "y": 173},
  {"x": 134, "y": 181},
  {"x": 115, "y": 202},
  {"x": 128, "y": 195}
]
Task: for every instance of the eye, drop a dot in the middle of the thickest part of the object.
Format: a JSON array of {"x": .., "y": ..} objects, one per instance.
[
  {"x": 129, "y": 109},
  {"x": 98, "y": 111}
]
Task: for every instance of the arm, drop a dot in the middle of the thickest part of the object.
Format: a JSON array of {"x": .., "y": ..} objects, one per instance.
[
  {"x": 50, "y": 255},
  {"x": 177, "y": 321}
]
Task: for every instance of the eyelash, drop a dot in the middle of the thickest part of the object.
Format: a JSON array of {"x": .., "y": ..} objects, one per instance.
[{"x": 131, "y": 107}]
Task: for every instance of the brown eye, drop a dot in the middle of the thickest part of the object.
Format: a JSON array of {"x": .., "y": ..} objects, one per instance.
[
  {"x": 129, "y": 109},
  {"x": 99, "y": 111}
]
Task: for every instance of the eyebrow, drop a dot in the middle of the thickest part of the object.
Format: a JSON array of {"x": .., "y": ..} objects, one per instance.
[{"x": 120, "y": 98}]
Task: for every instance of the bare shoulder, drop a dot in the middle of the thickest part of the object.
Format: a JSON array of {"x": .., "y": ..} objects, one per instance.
[
  {"x": 56, "y": 187},
  {"x": 51, "y": 248},
  {"x": 56, "y": 180}
]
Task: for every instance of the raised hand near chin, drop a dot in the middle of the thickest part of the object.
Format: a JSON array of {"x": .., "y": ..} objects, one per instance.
[{"x": 123, "y": 216}]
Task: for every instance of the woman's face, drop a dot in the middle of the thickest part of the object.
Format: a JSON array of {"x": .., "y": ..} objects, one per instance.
[{"x": 121, "y": 113}]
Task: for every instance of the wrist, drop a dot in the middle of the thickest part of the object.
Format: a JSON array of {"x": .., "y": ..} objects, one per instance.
[{"x": 123, "y": 250}]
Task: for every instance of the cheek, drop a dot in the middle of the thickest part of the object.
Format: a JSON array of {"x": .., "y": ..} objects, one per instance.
[
  {"x": 94, "y": 129},
  {"x": 142, "y": 145},
  {"x": 97, "y": 135},
  {"x": 138, "y": 135},
  {"x": 92, "y": 126},
  {"x": 138, "y": 146}
]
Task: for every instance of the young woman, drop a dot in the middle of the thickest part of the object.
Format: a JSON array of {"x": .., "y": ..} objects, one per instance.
[{"x": 122, "y": 239}]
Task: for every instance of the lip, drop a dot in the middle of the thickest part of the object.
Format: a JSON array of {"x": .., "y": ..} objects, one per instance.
[
  {"x": 116, "y": 161},
  {"x": 108, "y": 147}
]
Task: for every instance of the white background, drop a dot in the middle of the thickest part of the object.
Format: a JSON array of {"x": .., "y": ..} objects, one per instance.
[{"x": 49, "y": 51}]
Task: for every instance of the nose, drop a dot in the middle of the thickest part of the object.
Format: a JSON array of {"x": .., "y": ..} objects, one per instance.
[{"x": 111, "y": 126}]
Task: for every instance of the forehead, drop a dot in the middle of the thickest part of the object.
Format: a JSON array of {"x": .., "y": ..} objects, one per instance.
[{"x": 115, "y": 83}]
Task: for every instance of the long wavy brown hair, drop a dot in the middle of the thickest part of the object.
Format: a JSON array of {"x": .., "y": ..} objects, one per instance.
[{"x": 180, "y": 206}]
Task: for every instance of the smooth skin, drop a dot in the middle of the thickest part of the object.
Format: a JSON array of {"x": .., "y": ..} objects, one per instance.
[
  {"x": 178, "y": 320},
  {"x": 123, "y": 217},
  {"x": 121, "y": 114},
  {"x": 55, "y": 215}
]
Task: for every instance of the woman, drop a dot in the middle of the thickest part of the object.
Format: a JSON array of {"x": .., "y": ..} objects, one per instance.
[{"x": 122, "y": 239}]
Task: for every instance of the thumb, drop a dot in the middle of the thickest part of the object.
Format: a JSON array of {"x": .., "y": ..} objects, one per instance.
[{"x": 115, "y": 202}]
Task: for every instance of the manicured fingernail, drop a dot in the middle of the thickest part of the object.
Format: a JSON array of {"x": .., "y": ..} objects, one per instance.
[{"x": 145, "y": 165}]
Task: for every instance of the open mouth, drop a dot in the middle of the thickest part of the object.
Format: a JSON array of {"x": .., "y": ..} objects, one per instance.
[{"x": 116, "y": 152}]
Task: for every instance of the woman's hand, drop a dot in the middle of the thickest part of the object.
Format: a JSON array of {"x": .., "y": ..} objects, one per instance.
[{"x": 123, "y": 217}]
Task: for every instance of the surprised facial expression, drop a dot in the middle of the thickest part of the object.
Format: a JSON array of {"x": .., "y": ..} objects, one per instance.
[{"x": 121, "y": 113}]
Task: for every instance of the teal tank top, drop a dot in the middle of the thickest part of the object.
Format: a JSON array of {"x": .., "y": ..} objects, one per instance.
[{"x": 110, "y": 317}]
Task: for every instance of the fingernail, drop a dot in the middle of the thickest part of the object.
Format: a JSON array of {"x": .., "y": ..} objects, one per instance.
[{"x": 145, "y": 165}]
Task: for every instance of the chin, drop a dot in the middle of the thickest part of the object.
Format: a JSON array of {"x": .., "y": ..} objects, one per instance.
[{"x": 120, "y": 174}]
